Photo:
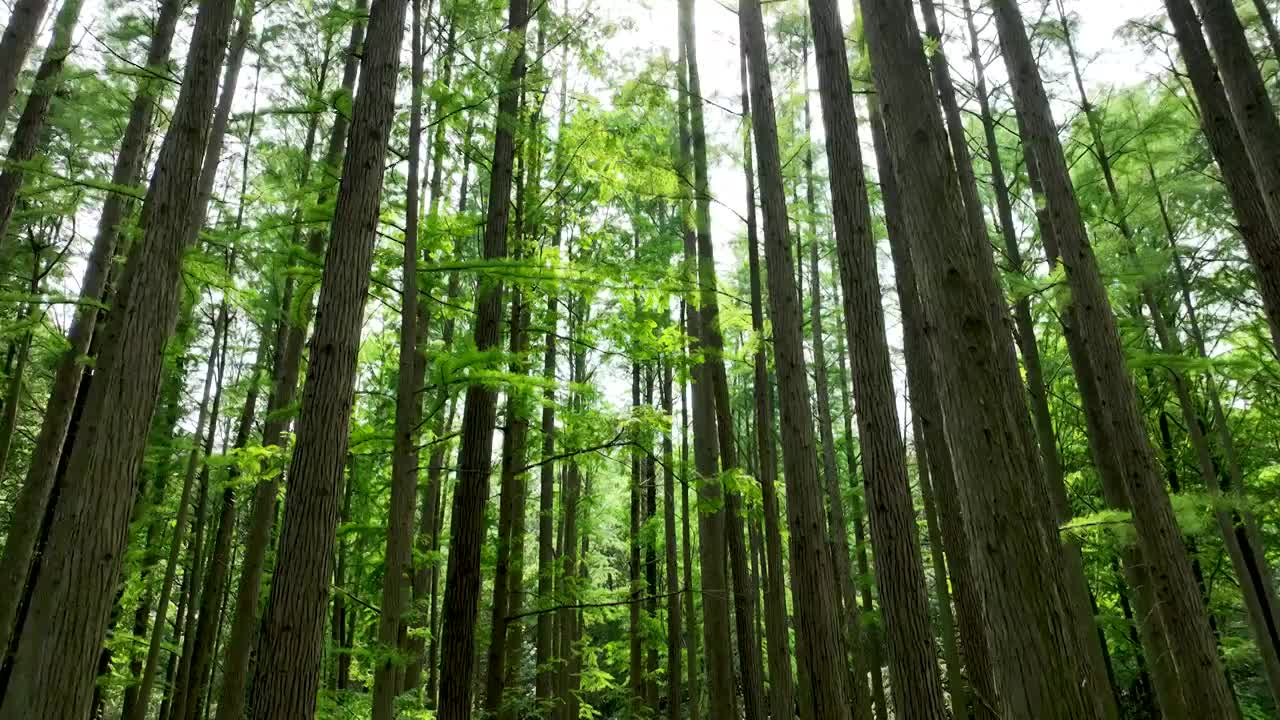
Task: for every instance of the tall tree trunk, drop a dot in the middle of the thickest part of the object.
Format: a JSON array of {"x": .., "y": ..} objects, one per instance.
[
  {"x": 941, "y": 579},
  {"x": 916, "y": 688},
  {"x": 1077, "y": 587},
  {"x": 38, "y": 486},
  {"x": 686, "y": 544},
  {"x": 287, "y": 364},
  {"x": 716, "y": 640},
  {"x": 398, "y": 571},
  {"x": 289, "y": 651},
  {"x": 569, "y": 619},
  {"x": 19, "y": 35},
  {"x": 635, "y": 670},
  {"x": 1191, "y": 640},
  {"x": 71, "y": 598},
  {"x": 674, "y": 628},
  {"x": 1255, "y": 117},
  {"x": 29, "y": 133},
  {"x": 781, "y": 684},
  {"x": 1016, "y": 562},
  {"x": 926, "y": 409},
  {"x": 462, "y": 589},
  {"x": 821, "y": 654}
]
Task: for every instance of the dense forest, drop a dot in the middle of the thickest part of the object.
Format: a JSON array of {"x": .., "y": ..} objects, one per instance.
[{"x": 578, "y": 359}]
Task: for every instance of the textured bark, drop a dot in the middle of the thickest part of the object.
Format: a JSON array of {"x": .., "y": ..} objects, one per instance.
[
  {"x": 941, "y": 580},
  {"x": 875, "y": 648},
  {"x": 1096, "y": 662},
  {"x": 1255, "y": 117},
  {"x": 38, "y": 486},
  {"x": 781, "y": 683},
  {"x": 672, "y": 568},
  {"x": 286, "y": 675},
  {"x": 1253, "y": 222},
  {"x": 398, "y": 572},
  {"x": 287, "y": 364},
  {"x": 545, "y": 654},
  {"x": 926, "y": 409},
  {"x": 635, "y": 646},
  {"x": 15, "y": 43},
  {"x": 569, "y": 620},
  {"x": 462, "y": 589},
  {"x": 1190, "y": 638},
  {"x": 821, "y": 653},
  {"x": 1015, "y": 559},
  {"x": 29, "y": 134},
  {"x": 913, "y": 663},
  {"x": 53, "y": 668},
  {"x": 716, "y": 640}
]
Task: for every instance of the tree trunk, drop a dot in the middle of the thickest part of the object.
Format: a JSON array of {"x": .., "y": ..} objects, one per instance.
[
  {"x": 916, "y": 688},
  {"x": 398, "y": 571},
  {"x": 290, "y": 648},
  {"x": 711, "y": 522},
  {"x": 686, "y": 545},
  {"x": 821, "y": 656},
  {"x": 28, "y": 133},
  {"x": 38, "y": 486},
  {"x": 53, "y": 668},
  {"x": 926, "y": 409},
  {"x": 1015, "y": 559},
  {"x": 462, "y": 589},
  {"x": 19, "y": 35},
  {"x": 781, "y": 685},
  {"x": 1190, "y": 638},
  {"x": 669, "y": 542}
]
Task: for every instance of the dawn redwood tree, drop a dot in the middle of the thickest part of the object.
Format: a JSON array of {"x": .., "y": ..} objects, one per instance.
[
  {"x": 287, "y": 672},
  {"x": 72, "y": 596},
  {"x": 287, "y": 361},
  {"x": 712, "y": 550},
  {"x": 1016, "y": 560},
  {"x": 462, "y": 587},
  {"x": 398, "y": 572},
  {"x": 38, "y": 485},
  {"x": 1190, "y": 637},
  {"x": 19, "y": 35},
  {"x": 900, "y": 571},
  {"x": 781, "y": 682},
  {"x": 821, "y": 653}
]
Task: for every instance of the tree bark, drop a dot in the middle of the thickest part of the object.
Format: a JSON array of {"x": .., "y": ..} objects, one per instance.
[
  {"x": 1191, "y": 640},
  {"x": 1016, "y": 561},
  {"x": 290, "y": 648},
  {"x": 821, "y": 656},
  {"x": 462, "y": 589},
  {"x": 398, "y": 571},
  {"x": 781, "y": 683},
  {"x": 71, "y": 598},
  {"x": 19, "y": 35}
]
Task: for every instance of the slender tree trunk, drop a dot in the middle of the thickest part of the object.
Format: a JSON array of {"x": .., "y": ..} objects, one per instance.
[
  {"x": 781, "y": 684},
  {"x": 917, "y": 690},
  {"x": 686, "y": 545},
  {"x": 398, "y": 572},
  {"x": 669, "y": 541},
  {"x": 569, "y": 620},
  {"x": 821, "y": 654},
  {"x": 289, "y": 654},
  {"x": 711, "y": 523},
  {"x": 635, "y": 673},
  {"x": 462, "y": 589}
]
